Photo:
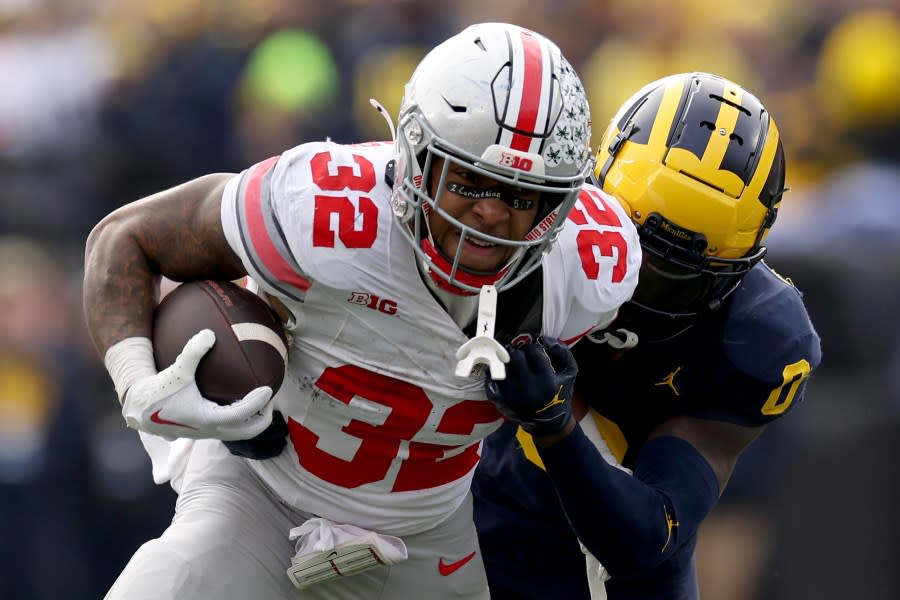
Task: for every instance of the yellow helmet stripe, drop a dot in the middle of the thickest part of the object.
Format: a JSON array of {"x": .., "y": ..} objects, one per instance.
[
  {"x": 720, "y": 138},
  {"x": 708, "y": 125}
]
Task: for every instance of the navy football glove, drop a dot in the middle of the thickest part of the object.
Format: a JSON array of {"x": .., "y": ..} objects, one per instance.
[
  {"x": 267, "y": 444},
  {"x": 537, "y": 391}
]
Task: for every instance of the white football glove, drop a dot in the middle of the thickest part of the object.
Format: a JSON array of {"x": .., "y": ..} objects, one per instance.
[{"x": 169, "y": 404}]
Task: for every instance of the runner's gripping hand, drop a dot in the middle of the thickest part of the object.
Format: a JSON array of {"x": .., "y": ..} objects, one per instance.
[
  {"x": 169, "y": 404},
  {"x": 537, "y": 391}
]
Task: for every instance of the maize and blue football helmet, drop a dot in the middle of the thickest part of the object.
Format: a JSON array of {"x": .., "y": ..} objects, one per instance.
[{"x": 698, "y": 163}]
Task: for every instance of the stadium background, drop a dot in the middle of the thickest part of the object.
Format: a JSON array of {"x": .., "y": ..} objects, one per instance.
[{"x": 104, "y": 101}]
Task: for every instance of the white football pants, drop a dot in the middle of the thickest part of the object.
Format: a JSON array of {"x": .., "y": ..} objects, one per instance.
[{"x": 229, "y": 541}]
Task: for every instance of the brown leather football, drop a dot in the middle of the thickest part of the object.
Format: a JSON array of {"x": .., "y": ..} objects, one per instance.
[{"x": 251, "y": 343}]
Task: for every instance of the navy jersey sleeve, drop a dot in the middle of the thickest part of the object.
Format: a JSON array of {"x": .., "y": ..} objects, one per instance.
[{"x": 772, "y": 346}]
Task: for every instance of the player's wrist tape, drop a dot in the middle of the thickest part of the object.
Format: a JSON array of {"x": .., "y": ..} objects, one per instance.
[{"x": 128, "y": 361}]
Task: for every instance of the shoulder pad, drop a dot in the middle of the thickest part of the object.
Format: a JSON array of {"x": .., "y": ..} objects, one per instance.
[{"x": 767, "y": 328}]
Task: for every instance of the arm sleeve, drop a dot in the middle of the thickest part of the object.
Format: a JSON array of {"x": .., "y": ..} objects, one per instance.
[{"x": 631, "y": 524}]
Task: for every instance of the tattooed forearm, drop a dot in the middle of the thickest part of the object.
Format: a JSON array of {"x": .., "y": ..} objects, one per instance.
[
  {"x": 176, "y": 233},
  {"x": 120, "y": 290}
]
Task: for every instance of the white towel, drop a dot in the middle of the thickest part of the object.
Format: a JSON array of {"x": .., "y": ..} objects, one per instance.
[{"x": 326, "y": 550}]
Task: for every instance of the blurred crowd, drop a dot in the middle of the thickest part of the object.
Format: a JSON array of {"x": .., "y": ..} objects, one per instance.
[{"x": 105, "y": 101}]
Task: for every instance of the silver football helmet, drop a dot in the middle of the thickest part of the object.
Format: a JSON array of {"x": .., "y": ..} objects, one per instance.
[{"x": 501, "y": 101}]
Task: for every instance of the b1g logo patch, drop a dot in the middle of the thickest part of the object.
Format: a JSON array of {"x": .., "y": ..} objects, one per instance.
[
  {"x": 515, "y": 161},
  {"x": 382, "y": 305}
]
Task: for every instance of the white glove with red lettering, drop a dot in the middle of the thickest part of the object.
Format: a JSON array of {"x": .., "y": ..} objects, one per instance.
[{"x": 169, "y": 404}]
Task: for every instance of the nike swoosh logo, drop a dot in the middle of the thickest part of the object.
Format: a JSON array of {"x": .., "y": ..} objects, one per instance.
[
  {"x": 160, "y": 421},
  {"x": 450, "y": 568}
]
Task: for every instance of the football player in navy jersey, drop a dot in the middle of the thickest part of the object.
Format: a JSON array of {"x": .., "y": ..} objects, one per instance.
[{"x": 597, "y": 484}]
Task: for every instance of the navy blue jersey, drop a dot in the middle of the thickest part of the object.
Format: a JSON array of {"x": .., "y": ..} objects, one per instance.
[{"x": 746, "y": 364}]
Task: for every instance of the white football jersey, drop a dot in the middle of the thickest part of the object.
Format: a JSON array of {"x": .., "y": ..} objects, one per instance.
[{"x": 383, "y": 434}]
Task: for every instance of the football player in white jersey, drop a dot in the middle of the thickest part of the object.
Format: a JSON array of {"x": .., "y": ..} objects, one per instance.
[{"x": 384, "y": 257}]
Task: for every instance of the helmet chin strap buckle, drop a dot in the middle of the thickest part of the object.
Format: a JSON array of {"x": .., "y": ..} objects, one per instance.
[{"x": 483, "y": 349}]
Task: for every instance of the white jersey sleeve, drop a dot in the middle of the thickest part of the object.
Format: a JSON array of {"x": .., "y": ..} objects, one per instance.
[
  {"x": 308, "y": 215},
  {"x": 592, "y": 269}
]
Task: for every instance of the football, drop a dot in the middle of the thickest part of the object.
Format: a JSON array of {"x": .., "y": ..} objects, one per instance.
[{"x": 251, "y": 343}]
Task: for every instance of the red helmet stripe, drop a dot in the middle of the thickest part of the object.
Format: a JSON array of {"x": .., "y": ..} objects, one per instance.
[{"x": 533, "y": 87}]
